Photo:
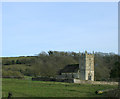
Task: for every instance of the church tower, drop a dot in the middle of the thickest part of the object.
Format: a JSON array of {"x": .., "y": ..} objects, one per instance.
[{"x": 86, "y": 66}]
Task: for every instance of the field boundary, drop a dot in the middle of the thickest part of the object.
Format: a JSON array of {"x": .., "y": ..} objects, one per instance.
[{"x": 95, "y": 82}]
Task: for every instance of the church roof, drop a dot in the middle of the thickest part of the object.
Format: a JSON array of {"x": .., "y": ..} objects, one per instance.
[{"x": 72, "y": 68}]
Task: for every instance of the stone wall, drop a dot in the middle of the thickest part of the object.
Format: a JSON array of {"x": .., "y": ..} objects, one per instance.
[
  {"x": 82, "y": 67},
  {"x": 70, "y": 75},
  {"x": 94, "y": 82}
]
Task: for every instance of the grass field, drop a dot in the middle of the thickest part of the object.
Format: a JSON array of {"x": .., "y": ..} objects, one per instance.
[{"x": 28, "y": 88}]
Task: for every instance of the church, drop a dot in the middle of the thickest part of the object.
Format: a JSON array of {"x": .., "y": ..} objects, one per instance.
[{"x": 83, "y": 71}]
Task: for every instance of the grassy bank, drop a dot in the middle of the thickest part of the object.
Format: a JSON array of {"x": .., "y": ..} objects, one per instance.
[{"x": 28, "y": 88}]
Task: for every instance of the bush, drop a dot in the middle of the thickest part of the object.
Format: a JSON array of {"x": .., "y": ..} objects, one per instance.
[{"x": 11, "y": 74}]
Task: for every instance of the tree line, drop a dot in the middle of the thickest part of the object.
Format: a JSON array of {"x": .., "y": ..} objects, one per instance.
[{"x": 49, "y": 64}]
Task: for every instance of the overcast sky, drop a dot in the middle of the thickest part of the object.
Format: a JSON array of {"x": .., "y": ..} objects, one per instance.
[{"x": 29, "y": 28}]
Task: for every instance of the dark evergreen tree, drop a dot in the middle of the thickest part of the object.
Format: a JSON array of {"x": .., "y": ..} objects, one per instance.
[{"x": 115, "y": 72}]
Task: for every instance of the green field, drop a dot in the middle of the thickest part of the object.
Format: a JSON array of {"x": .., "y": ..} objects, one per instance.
[{"x": 28, "y": 88}]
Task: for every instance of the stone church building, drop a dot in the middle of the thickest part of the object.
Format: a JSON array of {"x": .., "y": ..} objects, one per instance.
[{"x": 83, "y": 71}]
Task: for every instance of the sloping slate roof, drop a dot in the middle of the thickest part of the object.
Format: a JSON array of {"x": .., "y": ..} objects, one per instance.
[{"x": 73, "y": 68}]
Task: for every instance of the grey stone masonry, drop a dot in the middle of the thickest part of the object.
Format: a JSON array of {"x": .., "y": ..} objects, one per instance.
[
  {"x": 94, "y": 82},
  {"x": 86, "y": 66}
]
